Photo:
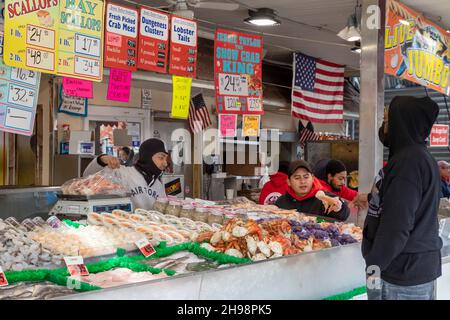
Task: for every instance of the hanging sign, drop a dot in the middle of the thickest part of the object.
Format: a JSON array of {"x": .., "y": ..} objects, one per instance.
[
  {"x": 146, "y": 98},
  {"x": 119, "y": 85},
  {"x": 75, "y": 266},
  {"x": 181, "y": 96},
  {"x": 75, "y": 106},
  {"x": 3, "y": 280},
  {"x": 417, "y": 52},
  {"x": 80, "y": 52},
  {"x": 439, "y": 135},
  {"x": 227, "y": 125},
  {"x": 19, "y": 90},
  {"x": 250, "y": 125},
  {"x": 31, "y": 34},
  {"x": 121, "y": 37},
  {"x": 183, "y": 47},
  {"x": 238, "y": 72},
  {"x": 77, "y": 88},
  {"x": 153, "y": 40}
]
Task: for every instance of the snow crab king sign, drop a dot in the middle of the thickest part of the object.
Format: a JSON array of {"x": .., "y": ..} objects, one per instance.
[{"x": 416, "y": 49}]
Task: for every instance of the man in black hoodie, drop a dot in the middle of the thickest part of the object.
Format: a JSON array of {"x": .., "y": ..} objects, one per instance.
[{"x": 401, "y": 243}]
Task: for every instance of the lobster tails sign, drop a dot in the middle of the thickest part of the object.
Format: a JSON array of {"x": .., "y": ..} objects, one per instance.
[{"x": 416, "y": 49}]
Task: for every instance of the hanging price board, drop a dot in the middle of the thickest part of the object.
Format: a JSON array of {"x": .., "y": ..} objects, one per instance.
[
  {"x": 145, "y": 247},
  {"x": 3, "y": 280},
  {"x": 19, "y": 90},
  {"x": 183, "y": 47},
  {"x": 181, "y": 95},
  {"x": 121, "y": 37},
  {"x": 238, "y": 72},
  {"x": 31, "y": 34},
  {"x": 80, "y": 53},
  {"x": 75, "y": 266}
]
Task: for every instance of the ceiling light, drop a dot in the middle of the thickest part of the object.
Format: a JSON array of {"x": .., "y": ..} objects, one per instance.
[
  {"x": 262, "y": 17},
  {"x": 351, "y": 31},
  {"x": 357, "y": 47}
]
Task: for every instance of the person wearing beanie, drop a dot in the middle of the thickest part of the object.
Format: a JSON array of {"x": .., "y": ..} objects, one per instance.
[
  {"x": 305, "y": 194},
  {"x": 143, "y": 179},
  {"x": 444, "y": 170},
  {"x": 276, "y": 186},
  {"x": 333, "y": 177}
]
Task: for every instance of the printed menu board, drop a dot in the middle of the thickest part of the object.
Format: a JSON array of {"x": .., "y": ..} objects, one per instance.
[
  {"x": 121, "y": 37},
  {"x": 183, "y": 47},
  {"x": 153, "y": 40}
]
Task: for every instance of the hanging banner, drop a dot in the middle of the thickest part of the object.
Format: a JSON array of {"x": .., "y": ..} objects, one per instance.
[
  {"x": 77, "y": 88},
  {"x": 238, "y": 72},
  {"x": 439, "y": 135},
  {"x": 183, "y": 47},
  {"x": 74, "y": 106},
  {"x": 181, "y": 96},
  {"x": 121, "y": 37},
  {"x": 19, "y": 90},
  {"x": 119, "y": 85},
  {"x": 153, "y": 40},
  {"x": 80, "y": 52},
  {"x": 31, "y": 34},
  {"x": 417, "y": 52},
  {"x": 227, "y": 125},
  {"x": 250, "y": 125}
]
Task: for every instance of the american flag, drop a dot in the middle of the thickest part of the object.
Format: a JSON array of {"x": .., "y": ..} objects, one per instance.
[
  {"x": 306, "y": 133},
  {"x": 317, "y": 90},
  {"x": 198, "y": 114}
]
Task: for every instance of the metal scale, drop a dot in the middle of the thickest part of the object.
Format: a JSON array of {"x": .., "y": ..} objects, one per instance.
[{"x": 80, "y": 205}]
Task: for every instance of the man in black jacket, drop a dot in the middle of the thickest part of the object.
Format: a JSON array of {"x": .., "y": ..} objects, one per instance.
[
  {"x": 401, "y": 244},
  {"x": 303, "y": 194}
]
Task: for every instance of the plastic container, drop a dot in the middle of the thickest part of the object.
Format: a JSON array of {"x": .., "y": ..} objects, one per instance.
[
  {"x": 187, "y": 211},
  {"x": 173, "y": 208},
  {"x": 215, "y": 216},
  {"x": 160, "y": 205},
  {"x": 201, "y": 214}
]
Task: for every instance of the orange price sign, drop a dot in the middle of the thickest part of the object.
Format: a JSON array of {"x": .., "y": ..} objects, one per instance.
[{"x": 145, "y": 247}]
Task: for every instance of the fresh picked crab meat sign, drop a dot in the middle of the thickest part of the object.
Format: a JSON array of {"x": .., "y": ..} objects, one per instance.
[
  {"x": 121, "y": 37},
  {"x": 439, "y": 135},
  {"x": 238, "y": 72},
  {"x": 183, "y": 47}
]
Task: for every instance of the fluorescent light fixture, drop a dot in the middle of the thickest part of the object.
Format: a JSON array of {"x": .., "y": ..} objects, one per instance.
[
  {"x": 262, "y": 17},
  {"x": 350, "y": 32}
]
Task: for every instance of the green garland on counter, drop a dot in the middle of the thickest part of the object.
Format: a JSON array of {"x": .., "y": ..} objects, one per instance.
[
  {"x": 72, "y": 224},
  {"x": 348, "y": 295}
]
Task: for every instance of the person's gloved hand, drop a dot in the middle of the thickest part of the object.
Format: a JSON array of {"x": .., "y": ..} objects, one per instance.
[{"x": 110, "y": 161}]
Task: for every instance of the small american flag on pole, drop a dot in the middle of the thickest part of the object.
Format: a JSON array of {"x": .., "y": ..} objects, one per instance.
[
  {"x": 198, "y": 114},
  {"x": 317, "y": 90},
  {"x": 306, "y": 133}
]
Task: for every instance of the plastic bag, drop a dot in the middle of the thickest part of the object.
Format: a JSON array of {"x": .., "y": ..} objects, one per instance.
[{"x": 104, "y": 182}]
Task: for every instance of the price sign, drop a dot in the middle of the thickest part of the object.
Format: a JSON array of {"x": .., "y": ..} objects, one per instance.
[
  {"x": 18, "y": 119},
  {"x": 231, "y": 84},
  {"x": 254, "y": 104},
  {"x": 145, "y": 247},
  {"x": 3, "y": 280},
  {"x": 25, "y": 76},
  {"x": 232, "y": 103},
  {"x": 21, "y": 96},
  {"x": 75, "y": 266},
  {"x": 87, "y": 45},
  {"x": 86, "y": 66},
  {"x": 181, "y": 96},
  {"x": 40, "y": 37},
  {"x": 40, "y": 59}
]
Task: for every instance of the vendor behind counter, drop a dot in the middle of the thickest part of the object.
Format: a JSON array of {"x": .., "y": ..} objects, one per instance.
[{"x": 143, "y": 179}]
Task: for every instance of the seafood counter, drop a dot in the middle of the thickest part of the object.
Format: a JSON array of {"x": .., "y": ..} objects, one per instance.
[{"x": 193, "y": 239}]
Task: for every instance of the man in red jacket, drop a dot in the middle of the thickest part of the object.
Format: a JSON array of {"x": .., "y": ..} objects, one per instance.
[
  {"x": 276, "y": 186},
  {"x": 334, "y": 178}
]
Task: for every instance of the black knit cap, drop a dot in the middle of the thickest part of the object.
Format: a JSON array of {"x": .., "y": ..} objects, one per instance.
[
  {"x": 299, "y": 164},
  {"x": 334, "y": 167}
]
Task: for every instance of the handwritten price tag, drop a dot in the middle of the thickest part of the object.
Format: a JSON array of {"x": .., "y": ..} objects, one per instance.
[
  {"x": 254, "y": 104},
  {"x": 3, "y": 280},
  {"x": 181, "y": 95},
  {"x": 87, "y": 67},
  {"x": 145, "y": 247},
  {"x": 40, "y": 37},
  {"x": 40, "y": 59},
  {"x": 21, "y": 96},
  {"x": 87, "y": 45},
  {"x": 75, "y": 266},
  {"x": 232, "y": 103},
  {"x": 25, "y": 76},
  {"x": 232, "y": 84}
]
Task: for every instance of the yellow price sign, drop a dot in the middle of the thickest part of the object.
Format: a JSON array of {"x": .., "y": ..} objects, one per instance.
[
  {"x": 250, "y": 125},
  {"x": 181, "y": 96}
]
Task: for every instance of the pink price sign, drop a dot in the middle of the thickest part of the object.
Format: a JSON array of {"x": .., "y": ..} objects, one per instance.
[
  {"x": 227, "y": 125},
  {"x": 119, "y": 85},
  {"x": 77, "y": 88}
]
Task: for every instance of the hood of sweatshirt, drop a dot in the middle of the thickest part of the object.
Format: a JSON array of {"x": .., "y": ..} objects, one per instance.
[{"x": 279, "y": 179}]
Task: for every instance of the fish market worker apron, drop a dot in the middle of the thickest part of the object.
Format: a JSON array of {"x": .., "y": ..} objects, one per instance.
[{"x": 143, "y": 179}]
